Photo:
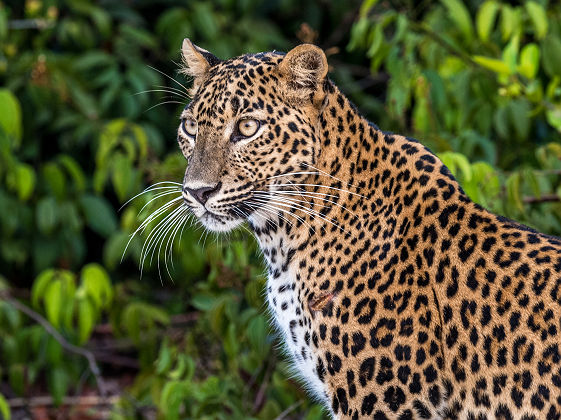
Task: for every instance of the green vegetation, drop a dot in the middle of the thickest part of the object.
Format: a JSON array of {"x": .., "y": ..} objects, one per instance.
[{"x": 81, "y": 132}]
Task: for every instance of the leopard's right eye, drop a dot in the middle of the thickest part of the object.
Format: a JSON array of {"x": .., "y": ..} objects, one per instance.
[{"x": 189, "y": 127}]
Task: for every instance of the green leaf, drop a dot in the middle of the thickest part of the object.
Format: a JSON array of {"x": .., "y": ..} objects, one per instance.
[
  {"x": 529, "y": 61},
  {"x": 498, "y": 66},
  {"x": 3, "y": 34},
  {"x": 122, "y": 176},
  {"x": 519, "y": 115},
  {"x": 163, "y": 363},
  {"x": 531, "y": 179},
  {"x": 40, "y": 285},
  {"x": 359, "y": 34},
  {"x": 16, "y": 378},
  {"x": 58, "y": 382},
  {"x": 97, "y": 285},
  {"x": 257, "y": 335},
  {"x": 22, "y": 180},
  {"x": 486, "y": 18},
  {"x": 86, "y": 319},
  {"x": 551, "y": 55},
  {"x": 538, "y": 17},
  {"x": 54, "y": 178},
  {"x": 172, "y": 396},
  {"x": 510, "y": 54},
  {"x": 553, "y": 116},
  {"x": 460, "y": 15},
  {"x": 100, "y": 216},
  {"x": 53, "y": 302},
  {"x": 10, "y": 115},
  {"x": 179, "y": 368},
  {"x": 4, "y": 409},
  {"x": 513, "y": 191},
  {"x": 47, "y": 215},
  {"x": 508, "y": 21},
  {"x": 377, "y": 40},
  {"x": 366, "y": 6},
  {"x": 74, "y": 170}
]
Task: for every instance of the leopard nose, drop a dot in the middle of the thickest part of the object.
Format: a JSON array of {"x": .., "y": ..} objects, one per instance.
[{"x": 203, "y": 194}]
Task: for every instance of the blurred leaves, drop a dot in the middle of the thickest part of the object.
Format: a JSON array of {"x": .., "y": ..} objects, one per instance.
[{"x": 489, "y": 104}]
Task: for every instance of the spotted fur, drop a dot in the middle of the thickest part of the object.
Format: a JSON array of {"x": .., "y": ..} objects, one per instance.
[{"x": 396, "y": 295}]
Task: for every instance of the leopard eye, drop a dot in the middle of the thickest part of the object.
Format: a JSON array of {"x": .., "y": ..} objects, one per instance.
[
  {"x": 189, "y": 127},
  {"x": 248, "y": 127}
]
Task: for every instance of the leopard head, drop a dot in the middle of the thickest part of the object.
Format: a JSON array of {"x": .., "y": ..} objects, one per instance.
[{"x": 252, "y": 125}]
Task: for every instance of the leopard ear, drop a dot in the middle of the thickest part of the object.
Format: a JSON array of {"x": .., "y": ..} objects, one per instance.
[
  {"x": 196, "y": 62},
  {"x": 303, "y": 70}
]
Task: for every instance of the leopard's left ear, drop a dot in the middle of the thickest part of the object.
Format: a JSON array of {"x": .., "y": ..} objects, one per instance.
[
  {"x": 197, "y": 62},
  {"x": 303, "y": 70}
]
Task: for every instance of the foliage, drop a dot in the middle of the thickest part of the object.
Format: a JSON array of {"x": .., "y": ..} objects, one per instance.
[
  {"x": 81, "y": 133},
  {"x": 477, "y": 82}
]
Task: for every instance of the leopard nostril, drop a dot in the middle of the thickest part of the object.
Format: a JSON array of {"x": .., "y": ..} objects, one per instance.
[{"x": 203, "y": 194}]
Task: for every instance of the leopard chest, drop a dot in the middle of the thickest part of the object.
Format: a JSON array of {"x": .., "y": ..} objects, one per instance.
[
  {"x": 296, "y": 330},
  {"x": 289, "y": 314}
]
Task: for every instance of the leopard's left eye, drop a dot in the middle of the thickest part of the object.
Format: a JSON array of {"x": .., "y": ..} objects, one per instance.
[
  {"x": 189, "y": 127},
  {"x": 248, "y": 127}
]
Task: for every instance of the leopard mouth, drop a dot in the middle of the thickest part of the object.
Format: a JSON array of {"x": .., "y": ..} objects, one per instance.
[{"x": 218, "y": 223}]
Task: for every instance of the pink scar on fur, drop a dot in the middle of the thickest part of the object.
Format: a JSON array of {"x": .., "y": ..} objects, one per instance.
[{"x": 320, "y": 302}]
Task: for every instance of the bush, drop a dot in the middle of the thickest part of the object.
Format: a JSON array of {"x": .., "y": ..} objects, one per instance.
[{"x": 88, "y": 112}]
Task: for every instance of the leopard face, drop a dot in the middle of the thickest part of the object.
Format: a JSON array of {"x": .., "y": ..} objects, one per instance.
[{"x": 235, "y": 132}]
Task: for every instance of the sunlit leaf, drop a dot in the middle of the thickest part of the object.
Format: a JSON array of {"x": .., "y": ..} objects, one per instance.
[
  {"x": 460, "y": 15},
  {"x": 54, "y": 300},
  {"x": 507, "y": 21},
  {"x": 97, "y": 285},
  {"x": 10, "y": 115},
  {"x": 498, "y": 66},
  {"x": 529, "y": 61},
  {"x": 538, "y": 16},
  {"x": 5, "y": 413},
  {"x": 86, "y": 319},
  {"x": 486, "y": 18},
  {"x": 510, "y": 54}
]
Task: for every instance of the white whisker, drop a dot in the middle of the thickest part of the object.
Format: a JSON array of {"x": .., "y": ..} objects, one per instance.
[
  {"x": 163, "y": 103},
  {"x": 169, "y": 77},
  {"x": 321, "y": 186}
]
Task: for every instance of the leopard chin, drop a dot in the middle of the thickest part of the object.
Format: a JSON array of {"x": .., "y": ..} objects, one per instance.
[{"x": 217, "y": 223}]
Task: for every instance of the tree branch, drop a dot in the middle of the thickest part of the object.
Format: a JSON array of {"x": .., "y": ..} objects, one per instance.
[
  {"x": 94, "y": 368},
  {"x": 546, "y": 198},
  {"x": 89, "y": 400}
]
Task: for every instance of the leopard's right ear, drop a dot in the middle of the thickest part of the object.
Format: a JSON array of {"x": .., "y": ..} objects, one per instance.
[{"x": 196, "y": 62}]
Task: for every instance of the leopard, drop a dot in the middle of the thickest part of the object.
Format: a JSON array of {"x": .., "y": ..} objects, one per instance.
[{"x": 396, "y": 296}]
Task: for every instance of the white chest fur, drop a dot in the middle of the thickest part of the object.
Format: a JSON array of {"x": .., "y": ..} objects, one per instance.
[
  {"x": 286, "y": 312},
  {"x": 289, "y": 316}
]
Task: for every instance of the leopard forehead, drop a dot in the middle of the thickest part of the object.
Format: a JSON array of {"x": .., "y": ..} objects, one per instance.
[{"x": 233, "y": 87}]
